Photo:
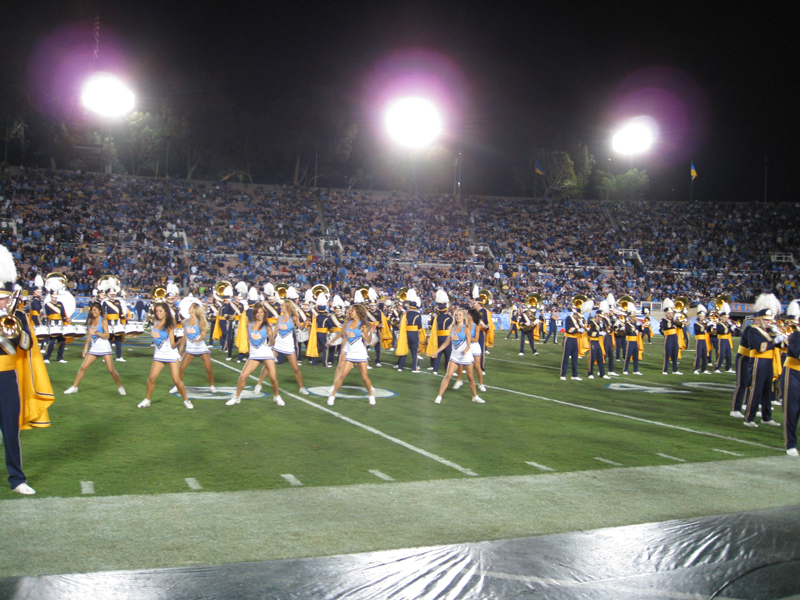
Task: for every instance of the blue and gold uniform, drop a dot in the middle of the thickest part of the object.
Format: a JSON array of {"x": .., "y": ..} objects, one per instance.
[
  {"x": 573, "y": 327},
  {"x": 744, "y": 374},
  {"x": 596, "y": 331},
  {"x": 791, "y": 386},
  {"x": 669, "y": 329},
  {"x": 702, "y": 328},
  {"x": 725, "y": 330},
  {"x": 25, "y": 390},
  {"x": 441, "y": 323},
  {"x": 408, "y": 338},
  {"x": 633, "y": 337},
  {"x": 762, "y": 356}
]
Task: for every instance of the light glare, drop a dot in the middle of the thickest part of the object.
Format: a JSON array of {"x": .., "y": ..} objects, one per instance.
[
  {"x": 635, "y": 137},
  {"x": 106, "y": 95},
  {"x": 413, "y": 122}
]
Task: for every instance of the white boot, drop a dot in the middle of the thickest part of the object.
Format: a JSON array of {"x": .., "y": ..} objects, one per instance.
[
  {"x": 232, "y": 401},
  {"x": 279, "y": 401}
]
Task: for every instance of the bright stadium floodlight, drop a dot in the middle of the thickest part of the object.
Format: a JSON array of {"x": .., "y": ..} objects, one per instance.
[
  {"x": 413, "y": 122},
  {"x": 106, "y": 95},
  {"x": 635, "y": 137}
]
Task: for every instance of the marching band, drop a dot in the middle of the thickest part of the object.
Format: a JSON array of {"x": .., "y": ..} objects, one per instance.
[{"x": 272, "y": 326}]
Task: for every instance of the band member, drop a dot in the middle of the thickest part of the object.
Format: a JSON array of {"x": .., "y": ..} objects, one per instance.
[
  {"x": 725, "y": 330},
  {"x": 166, "y": 353},
  {"x": 212, "y": 312},
  {"x": 25, "y": 391},
  {"x": 621, "y": 343},
  {"x": 744, "y": 374},
  {"x": 97, "y": 345},
  {"x": 596, "y": 330},
  {"x": 713, "y": 339},
  {"x": 459, "y": 340},
  {"x": 322, "y": 325},
  {"x": 56, "y": 315},
  {"x": 552, "y": 326},
  {"x": 356, "y": 330},
  {"x": 195, "y": 329},
  {"x": 573, "y": 327},
  {"x": 515, "y": 315},
  {"x": 260, "y": 337},
  {"x": 483, "y": 300},
  {"x": 376, "y": 311},
  {"x": 288, "y": 323},
  {"x": 762, "y": 337},
  {"x": 609, "y": 340},
  {"x": 440, "y": 331},
  {"x": 335, "y": 326},
  {"x": 112, "y": 314},
  {"x": 791, "y": 381},
  {"x": 231, "y": 312},
  {"x": 408, "y": 340},
  {"x": 647, "y": 327},
  {"x": 702, "y": 345},
  {"x": 633, "y": 339},
  {"x": 669, "y": 329},
  {"x": 527, "y": 324},
  {"x": 36, "y": 308}
]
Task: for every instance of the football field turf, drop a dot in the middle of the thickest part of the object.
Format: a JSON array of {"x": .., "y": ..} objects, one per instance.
[{"x": 135, "y": 469}]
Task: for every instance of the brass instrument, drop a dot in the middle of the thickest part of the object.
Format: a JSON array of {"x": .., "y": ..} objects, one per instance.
[
  {"x": 720, "y": 300},
  {"x": 11, "y": 326},
  {"x": 402, "y": 293},
  {"x": 60, "y": 276},
  {"x": 577, "y": 301},
  {"x": 281, "y": 289},
  {"x": 681, "y": 305},
  {"x": 320, "y": 288},
  {"x": 627, "y": 305},
  {"x": 485, "y": 297},
  {"x": 218, "y": 290},
  {"x": 534, "y": 301}
]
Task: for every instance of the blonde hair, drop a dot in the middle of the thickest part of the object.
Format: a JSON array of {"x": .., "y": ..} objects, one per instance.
[
  {"x": 291, "y": 309},
  {"x": 202, "y": 321}
]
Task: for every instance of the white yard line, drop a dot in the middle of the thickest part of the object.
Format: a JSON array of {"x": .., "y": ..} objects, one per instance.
[
  {"x": 377, "y": 432},
  {"x": 87, "y": 487},
  {"x": 670, "y": 457},
  {"x": 292, "y": 479},
  {"x": 538, "y": 466},
  {"x": 380, "y": 475},
  {"x": 608, "y": 462},
  {"x": 193, "y": 484}
]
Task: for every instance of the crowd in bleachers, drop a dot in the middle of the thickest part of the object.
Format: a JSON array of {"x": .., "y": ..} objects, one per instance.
[{"x": 87, "y": 225}]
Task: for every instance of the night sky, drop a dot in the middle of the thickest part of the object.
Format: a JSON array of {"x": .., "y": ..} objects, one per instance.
[{"x": 717, "y": 81}]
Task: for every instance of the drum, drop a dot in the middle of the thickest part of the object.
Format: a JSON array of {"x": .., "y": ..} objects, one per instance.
[
  {"x": 55, "y": 329},
  {"x": 74, "y": 331},
  {"x": 303, "y": 335},
  {"x": 337, "y": 342},
  {"x": 179, "y": 331},
  {"x": 41, "y": 331},
  {"x": 116, "y": 328},
  {"x": 134, "y": 328}
]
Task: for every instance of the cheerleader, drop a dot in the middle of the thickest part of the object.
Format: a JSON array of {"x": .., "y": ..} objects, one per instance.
[
  {"x": 196, "y": 328},
  {"x": 356, "y": 331},
  {"x": 261, "y": 338},
  {"x": 288, "y": 323},
  {"x": 166, "y": 352},
  {"x": 461, "y": 357},
  {"x": 97, "y": 345},
  {"x": 477, "y": 325}
]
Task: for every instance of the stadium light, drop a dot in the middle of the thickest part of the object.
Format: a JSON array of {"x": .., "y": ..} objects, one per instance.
[
  {"x": 413, "y": 122},
  {"x": 635, "y": 137},
  {"x": 106, "y": 95}
]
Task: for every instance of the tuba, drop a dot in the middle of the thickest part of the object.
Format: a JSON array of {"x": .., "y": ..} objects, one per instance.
[
  {"x": 627, "y": 304},
  {"x": 281, "y": 289},
  {"x": 681, "y": 305},
  {"x": 320, "y": 288},
  {"x": 720, "y": 301},
  {"x": 219, "y": 290},
  {"x": 485, "y": 297},
  {"x": 577, "y": 302},
  {"x": 534, "y": 301},
  {"x": 402, "y": 294}
]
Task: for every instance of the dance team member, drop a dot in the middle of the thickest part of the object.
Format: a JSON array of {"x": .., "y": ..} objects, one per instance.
[
  {"x": 165, "y": 353},
  {"x": 461, "y": 356},
  {"x": 356, "y": 331},
  {"x": 260, "y": 337},
  {"x": 97, "y": 344}
]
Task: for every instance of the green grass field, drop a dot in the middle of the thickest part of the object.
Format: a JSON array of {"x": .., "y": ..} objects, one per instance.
[{"x": 530, "y": 416}]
